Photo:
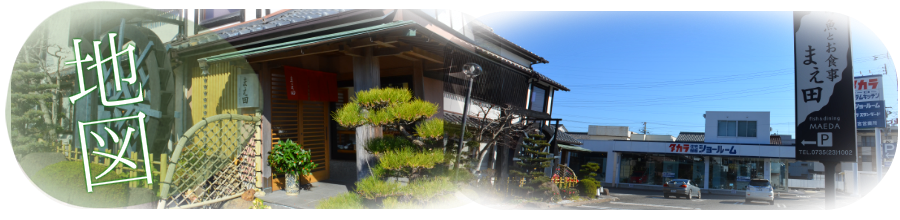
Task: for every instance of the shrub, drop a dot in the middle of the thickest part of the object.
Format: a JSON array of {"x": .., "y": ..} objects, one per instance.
[
  {"x": 588, "y": 184},
  {"x": 65, "y": 182},
  {"x": 258, "y": 204},
  {"x": 348, "y": 200},
  {"x": 372, "y": 188},
  {"x": 290, "y": 158}
]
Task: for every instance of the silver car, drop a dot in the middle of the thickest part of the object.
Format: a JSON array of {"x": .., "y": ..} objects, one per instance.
[
  {"x": 681, "y": 187},
  {"x": 760, "y": 190}
]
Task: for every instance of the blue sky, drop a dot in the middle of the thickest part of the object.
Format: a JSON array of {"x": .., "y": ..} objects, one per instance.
[{"x": 669, "y": 68}]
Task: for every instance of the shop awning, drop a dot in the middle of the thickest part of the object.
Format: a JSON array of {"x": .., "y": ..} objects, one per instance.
[
  {"x": 307, "y": 41},
  {"x": 573, "y": 148}
]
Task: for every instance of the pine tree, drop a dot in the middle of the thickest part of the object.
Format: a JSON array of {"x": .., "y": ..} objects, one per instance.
[
  {"x": 415, "y": 154},
  {"x": 31, "y": 130},
  {"x": 532, "y": 162}
]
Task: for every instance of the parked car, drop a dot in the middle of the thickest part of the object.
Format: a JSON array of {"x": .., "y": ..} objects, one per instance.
[
  {"x": 681, "y": 187},
  {"x": 760, "y": 190}
]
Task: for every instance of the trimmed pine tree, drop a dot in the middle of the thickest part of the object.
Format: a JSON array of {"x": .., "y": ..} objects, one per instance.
[{"x": 533, "y": 161}]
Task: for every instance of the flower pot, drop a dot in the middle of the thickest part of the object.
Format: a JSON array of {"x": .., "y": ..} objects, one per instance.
[{"x": 291, "y": 185}]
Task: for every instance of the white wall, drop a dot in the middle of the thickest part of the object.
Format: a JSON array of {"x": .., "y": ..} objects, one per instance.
[
  {"x": 454, "y": 103},
  {"x": 617, "y": 131},
  {"x": 762, "y": 127}
]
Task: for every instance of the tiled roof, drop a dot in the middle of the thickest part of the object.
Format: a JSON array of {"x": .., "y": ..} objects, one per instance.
[
  {"x": 580, "y": 135},
  {"x": 457, "y": 119},
  {"x": 269, "y": 22},
  {"x": 487, "y": 30},
  {"x": 538, "y": 75},
  {"x": 690, "y": 137},
  {"x": 564, "y": 137}
]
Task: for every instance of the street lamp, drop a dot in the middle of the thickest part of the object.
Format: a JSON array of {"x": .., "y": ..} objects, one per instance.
[{"x": 471, "y": 70}]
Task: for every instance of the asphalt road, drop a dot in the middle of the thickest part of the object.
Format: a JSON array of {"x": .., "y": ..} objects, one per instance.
[{"x": 631, "y": 199}]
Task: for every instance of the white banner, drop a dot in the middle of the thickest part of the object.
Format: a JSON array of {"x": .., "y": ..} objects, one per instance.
[{"x": 868, "y": 88}]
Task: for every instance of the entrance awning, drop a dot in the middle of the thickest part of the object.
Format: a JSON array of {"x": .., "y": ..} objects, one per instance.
[
  {"x": 573, "y": 148},
  {"x": 307, "y": 41}
]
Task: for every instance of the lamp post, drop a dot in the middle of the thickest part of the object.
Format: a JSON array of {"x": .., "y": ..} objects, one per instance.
[{"x": 471, "y": 70}]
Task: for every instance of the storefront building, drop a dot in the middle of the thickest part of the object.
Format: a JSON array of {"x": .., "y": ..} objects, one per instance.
[{"x": 736, "y": 148}]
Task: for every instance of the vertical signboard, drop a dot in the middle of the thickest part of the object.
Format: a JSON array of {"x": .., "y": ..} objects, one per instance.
[
  {"x": 248, "y": 86},
  {"x": 826, "y": 128},
  {"x": 869, "y": 97}
]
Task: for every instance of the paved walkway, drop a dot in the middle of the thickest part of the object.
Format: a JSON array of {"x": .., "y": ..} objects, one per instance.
[{"x": 307, "y": 199}]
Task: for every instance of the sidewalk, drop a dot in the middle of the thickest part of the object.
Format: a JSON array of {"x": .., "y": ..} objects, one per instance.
[{"x": 307, "y": 199}]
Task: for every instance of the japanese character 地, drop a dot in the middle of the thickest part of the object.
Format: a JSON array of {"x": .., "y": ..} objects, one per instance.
[{"x": 131, "y": 132}]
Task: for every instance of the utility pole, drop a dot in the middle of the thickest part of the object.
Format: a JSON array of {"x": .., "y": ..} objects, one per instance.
[{"x": 645, "y": 131}]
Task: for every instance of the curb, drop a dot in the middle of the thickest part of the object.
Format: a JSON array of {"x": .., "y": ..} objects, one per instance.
[
  {"x": 541, "y": 205},
  {"x": 593, "y": 201}
]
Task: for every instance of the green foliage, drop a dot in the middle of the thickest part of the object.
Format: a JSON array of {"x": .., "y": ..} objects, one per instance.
[
  {"x": 380, "y": 145},
  {"x": 588, "y": 184},
  {"x": 431, "y": 129},
  {"x": 290, "y": 158},
  {"x": 65, "y": 182},
  {"x": 532, "y": 164},
  {"x": 349, "y": 115},
  {"x": 407, "y": 155},
  {"x": 31, "y": 127},
  {"x": 258, "y": 204},
  {"x": 372, "y": 187},
  {"x": 411, "y": 158},
  {"x": 348, "y": 200}
]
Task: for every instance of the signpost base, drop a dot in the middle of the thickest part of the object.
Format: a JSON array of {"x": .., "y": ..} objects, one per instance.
[{"x": 829, "y": 183}]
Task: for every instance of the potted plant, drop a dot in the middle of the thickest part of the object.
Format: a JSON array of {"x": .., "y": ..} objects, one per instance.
[{"x": 291, "y": 159}]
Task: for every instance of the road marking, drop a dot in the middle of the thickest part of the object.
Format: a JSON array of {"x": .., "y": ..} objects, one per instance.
[
  {"x": 599, "y": 207},
  {"x": 779, "y": 205},
  {"x": 651, "y": 205}
]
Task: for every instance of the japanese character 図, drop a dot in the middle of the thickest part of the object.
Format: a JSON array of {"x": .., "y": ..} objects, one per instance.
[{"x": 812, "y": 94}]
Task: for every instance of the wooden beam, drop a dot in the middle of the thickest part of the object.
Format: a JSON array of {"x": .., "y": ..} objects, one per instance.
[
  {"x": 425, "y": 55},
  {"x": 391, "y": 51},
  {"x": 346, "y": 49},
  {"x": 303, "y": 51},
  {"x": 410, "y": 58}
]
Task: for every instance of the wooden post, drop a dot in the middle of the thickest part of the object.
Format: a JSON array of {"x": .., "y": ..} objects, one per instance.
[
  {"x": 163, "y": 165},
  {"x": 366, "y": 75}
]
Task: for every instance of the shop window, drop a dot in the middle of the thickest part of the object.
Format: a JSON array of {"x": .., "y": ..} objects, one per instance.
[
  {"x": 579, "y": 159},
  {"x": 734, "y": 173},
  {"x": 867, "y": 141},
  {"x": 737, "y": 128},
  {"x": 656, "y": 169}
]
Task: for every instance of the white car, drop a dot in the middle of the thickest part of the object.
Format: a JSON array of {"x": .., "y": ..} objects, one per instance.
[{"x": 760, "y": 190}]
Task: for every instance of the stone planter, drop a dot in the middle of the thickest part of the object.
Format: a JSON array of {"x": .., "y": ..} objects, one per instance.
[{"x": 291, "y": 185}]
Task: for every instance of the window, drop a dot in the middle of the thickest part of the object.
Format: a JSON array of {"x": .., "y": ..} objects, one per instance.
[
  {"x": 538, "y": 98},
  {"x": 867, "y": 141},
  {"x": 209, "y": 18},
  {"x": 737, "y": 128}
]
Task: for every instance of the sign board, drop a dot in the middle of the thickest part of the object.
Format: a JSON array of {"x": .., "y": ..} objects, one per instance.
[
  {"x": 869, "y": 96},
  {"x": 826, "y": 124},
  {"x": 248, "y": 87},
  {"x": 870, "y": 114},
  {"x": 868, "y": 88},
  {"x": 889, "y": 150}
]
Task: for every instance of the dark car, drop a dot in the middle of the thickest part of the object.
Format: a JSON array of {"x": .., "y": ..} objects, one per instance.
[{"x": 681, "y": 187}]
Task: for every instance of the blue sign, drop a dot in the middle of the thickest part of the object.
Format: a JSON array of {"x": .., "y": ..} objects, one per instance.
[
  {"x": 870, "y": 114},
  {"x": 743, "y": 179},
  {"x": 889, "y": 150}
]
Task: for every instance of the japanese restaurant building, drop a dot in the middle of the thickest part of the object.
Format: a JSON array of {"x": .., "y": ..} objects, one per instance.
[
  {"x": 735, "y": 147},
  {"x": 308, "y": 63}
]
